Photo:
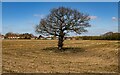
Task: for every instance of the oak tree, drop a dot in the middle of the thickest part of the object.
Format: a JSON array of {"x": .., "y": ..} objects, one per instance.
[{"x": 61, "y": 21}]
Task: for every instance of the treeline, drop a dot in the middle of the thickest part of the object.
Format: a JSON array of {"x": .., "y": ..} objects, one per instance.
[
  {"x": 11, "y": 35},
  {"x": 107, "y": 36}
]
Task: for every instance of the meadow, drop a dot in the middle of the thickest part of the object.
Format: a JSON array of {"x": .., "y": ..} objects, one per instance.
[{"x": 42, "y": 56}]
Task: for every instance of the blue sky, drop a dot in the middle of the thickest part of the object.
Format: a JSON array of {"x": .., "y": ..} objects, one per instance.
[
  {"x": 0, "y": 17},
  {"x": 60, "y": 0},
  {"x": 21, "y": 17}
]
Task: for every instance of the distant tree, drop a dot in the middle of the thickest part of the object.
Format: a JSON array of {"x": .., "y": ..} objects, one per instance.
[
  {"x": 61, "y": 21},
  {"x": 21, "y": 36},
  {"x": 8, "y": 34},
  {"x": 27, "y": 35}
]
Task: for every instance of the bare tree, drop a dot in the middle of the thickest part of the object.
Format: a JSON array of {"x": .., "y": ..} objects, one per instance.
[{"x": 61, "y": 21}]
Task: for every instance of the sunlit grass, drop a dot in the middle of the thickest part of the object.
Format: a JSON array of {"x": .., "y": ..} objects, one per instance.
[{"x": 43, "y": 56}]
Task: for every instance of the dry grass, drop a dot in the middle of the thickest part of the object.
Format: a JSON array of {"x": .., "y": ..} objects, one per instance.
[{"x": 80, "y": 56}]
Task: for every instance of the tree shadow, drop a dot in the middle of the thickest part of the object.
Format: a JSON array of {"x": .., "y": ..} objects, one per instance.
[{"x": 65, "y": 49}]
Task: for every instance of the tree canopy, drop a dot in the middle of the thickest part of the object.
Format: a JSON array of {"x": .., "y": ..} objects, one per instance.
[{"x": 61, "y": 21}]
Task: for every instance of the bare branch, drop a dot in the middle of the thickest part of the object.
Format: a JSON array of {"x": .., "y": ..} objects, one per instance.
[{"x": 63, "y": 19}]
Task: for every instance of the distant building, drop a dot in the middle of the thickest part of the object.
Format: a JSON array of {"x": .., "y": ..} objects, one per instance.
[
  {"x": 19, "y": 36},
  {"x": 1, "y": 36},
  {"x": 13, "y": 37}
]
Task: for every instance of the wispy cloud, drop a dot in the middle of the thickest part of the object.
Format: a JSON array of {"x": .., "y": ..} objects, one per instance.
[
  {"x": 39, "y": 15},
  {"x": 114, "y": 18},
  {"x": 93, "y": 17}
]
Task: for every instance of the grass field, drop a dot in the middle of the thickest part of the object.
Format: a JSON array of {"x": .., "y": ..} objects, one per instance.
[{"x": 80, "y": 56}]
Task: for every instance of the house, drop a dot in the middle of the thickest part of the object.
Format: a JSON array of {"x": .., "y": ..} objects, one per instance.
[
  {"x": 19, "y": 36},
  {"x": 1, "y": 36},
  {"x": 13, "y": 37}
]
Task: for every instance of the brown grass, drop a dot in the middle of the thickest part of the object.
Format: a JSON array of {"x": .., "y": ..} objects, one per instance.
[{"x": 42, "y": 56}]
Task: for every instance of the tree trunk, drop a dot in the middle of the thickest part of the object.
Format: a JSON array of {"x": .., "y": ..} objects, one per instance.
[
  {"x": 60, "y": 39},
  {"x": 60, "y": 42}
]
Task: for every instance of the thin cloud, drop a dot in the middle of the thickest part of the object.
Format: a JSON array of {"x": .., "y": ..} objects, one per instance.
[
  {"x": 93, "y": 17},
  {"x": 114, "y": 18},
  {"x": 39, "y": 15}
]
